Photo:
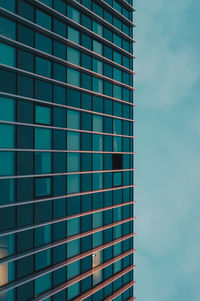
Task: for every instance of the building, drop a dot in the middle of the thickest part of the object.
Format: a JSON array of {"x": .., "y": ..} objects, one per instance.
[{"x": 66, "y": 150}]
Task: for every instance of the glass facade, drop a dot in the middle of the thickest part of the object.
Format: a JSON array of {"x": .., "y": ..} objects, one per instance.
[{"x": 66, "y": 150}]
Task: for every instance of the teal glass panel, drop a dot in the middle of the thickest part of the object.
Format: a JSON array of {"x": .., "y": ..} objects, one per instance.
[
  {"x": 117, "y": 266},
  {"x": 73, "y": 183},
  {"x": 7, "y": 136},
  {"x": 7, "y": 188},
  {"x": 60, "y": 6},
  {"x": 97, "y": 181},
  {"x": 43, "y": 43},
  {"x": 73, "y": 248},
  {"x": 117, "y": 92},
  {"x": 97, "y": 142},
  {"x": 73, "y": 35},
  {"x": 7, "y": 109},
  {"x": 8, "y": 28},
  {"x": 97, "y": 47},
  {"x": 97, "y": 220},
  {"x": 73, "y": 226},
  {"x": 43, "y": 19},
  {"x": 97, "y": 239},
  {"x": 7, "y": 55},
  {"x": 117, "y": 109},
  {"x": 117, "y": 57},
  {"x": 42, "y": 114},
  {"x": 73, "y": 291},
  {"x": 117, "y": 249},
  {"x": 97, "y": 28},
  {"x": 117, "y": 126},
  {"x": 117, "y": 74},
  {"x": 59, "y": 27},
  {"x": 97, "y": 123},
  {"x": 43, "y": 138},
  {"x": 42, "y": 284},
  {"x": 117, "y": 144},
  {"x": 73, "y": 270},
  {"x": 9, "y": 5},
  {"x": 73, "y": 140},
  {"x": 59, "y": 50},
  {"x": 117, "y": 232},
  {"x": 97, "y": 66},
  {"x": 97, "y": 85},
  {"x": 42, "y": 186},
  {"x": 42, "y": 162},
  {"x": 97, "y": 161},
  {"x": 43, "y": 67},
  {"x": 73, "y": 119},
  {"x": 73, "y": 14},
  {"x": 73, "y": 56},
  {"x": 73, "y": 162},
  {"x": 7, "y": 163},
  {"x": 73, "y": 77},
  {"x": 47, "y": 2},
  {"x": 117, "y": 179}
]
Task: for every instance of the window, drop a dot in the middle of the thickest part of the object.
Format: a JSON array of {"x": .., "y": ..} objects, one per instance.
[
  {"x": 97, "y": 85},
  {"x": 73, "y": 56},
  {"x": 42, "y": 162},
  {"x": 7, "y": 135},
  {"x": 73, "y": 77},
  {"x": 7, "y": 163},
  {"x": 73, "y": 14},
  {"x": 43, "y": 43},
  {"x": 43, "y": 19},
  {"x": 73, "y": 226},
  {"x": 73, "y": 35},
  {"x": 97, "y": 47},
  {"x": 117, "y": 179},
  {"x": 7, "y": 109},
  {"x": 7, "y": 55},
  {"x": 43, "y": 67},
  {"x": 97, "y": 66},
  {"x": 73, "y": 183},
  {"x": 42, "y": 115},
  {"x": 117, "y": 161},
  {"x": 73, "y": 141},
  {"x": 97, "y": 28},
  {"x": 42, "y": 138},
  {"x": 97, "y": 123},
  {"x": 73, "y": 162},
  {"x": 42, "y": 186}
]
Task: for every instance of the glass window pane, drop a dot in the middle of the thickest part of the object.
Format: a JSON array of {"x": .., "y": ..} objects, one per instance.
[
  {"x": 42, "y": 162},
  {"x": 7, "y": 135},
  {"x": 73, "y": 141},
  {"x": 97, "y": 66},
  {"x": 73, "y": 226},
  {"x": 7, "y": 55},
  {"x": 73, "y": 35},
  {"x": 43, "y": 19},
  {"x": 73, "y": 119},
  {"x": 73, "y": 162},
  {"x": 117, "y": 92},
  {"x": 117, "y": 144},
  {"x": 73, "y": 248},
  {"x": 97, "y": 220},
  {"x": 73, "y": 183},
  {"x": 97, "y": 47},
  {"x": 98, "y": 28},
  {"x": 73, "y": 14},
  {"x": 73, "y": 290},
  {"x": 97, "y": 85},
  {"x": 7, "y": 163},
  {"x": 42, "y": 284},
  {"x": 43, "y": 67},
  {"x": 97, "y": 123},
  {"x": 117, "y": 178},
  {"x": 73, "y": 77},
  {"x": 7, "y": 109},
  {"x": 43, "y": 138},
  {"x": 8, "y": 28},
  {"x": 42, "y": 186},
  {"x": 42, "y": 115},
  {"x": 73, "y": 56},
  {"x": 43, "y": 43}
]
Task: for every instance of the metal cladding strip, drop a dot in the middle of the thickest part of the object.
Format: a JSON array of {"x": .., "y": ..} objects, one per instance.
[
  {"x": 61, "y": 151},
  {"x": 79, "y": 278},
  {"x": 22, "y": 229},
  {"x": 132, "y": 299},
  {"x": 54, "y": 35},
  {"x": 78, "y": 26},
  {"x": 55, "y": 267},
  {"x": 70, "y": 21},
  {"x": 66, "y": 173},
  {"x": 61, "y": 242},
  {"x": 63, "y": 129},
  {"x": 120, "y": 291},
  {"x": 55, "y": 81},
  {"x": 63, "y": 62},
  {"x": 105, "y": 283},
  {"x": 102, "y": 21},
  {"x": 24, "y": 98},
  {"x": 64, "y": 196},
  {"x": 128, "y": 5}
]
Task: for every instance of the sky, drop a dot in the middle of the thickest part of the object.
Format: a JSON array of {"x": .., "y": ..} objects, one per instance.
[{"x": 167, "y": 149}]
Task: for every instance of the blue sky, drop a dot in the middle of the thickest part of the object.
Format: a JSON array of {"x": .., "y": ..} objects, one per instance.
[{"x": 168, "y": 150}]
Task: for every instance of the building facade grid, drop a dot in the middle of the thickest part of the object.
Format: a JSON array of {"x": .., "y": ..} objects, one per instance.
[{"x": 66, "y": 150}]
